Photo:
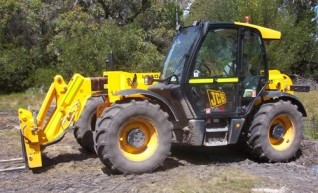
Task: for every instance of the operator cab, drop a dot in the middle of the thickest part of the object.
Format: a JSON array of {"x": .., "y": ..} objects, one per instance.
[{"x": 215, "y": 69}]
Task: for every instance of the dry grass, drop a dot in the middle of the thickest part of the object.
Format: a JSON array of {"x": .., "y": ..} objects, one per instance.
[
  {"x": 29, "y": 99},
  {"x": 310, "y": 102},
  {"x": 227, "y": 180}
]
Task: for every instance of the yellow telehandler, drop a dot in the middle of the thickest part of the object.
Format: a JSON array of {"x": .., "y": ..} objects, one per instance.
[{"x": 215, "y": 89}]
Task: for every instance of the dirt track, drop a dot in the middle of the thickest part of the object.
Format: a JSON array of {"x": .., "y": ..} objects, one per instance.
[{"x": 68, "y": 168}]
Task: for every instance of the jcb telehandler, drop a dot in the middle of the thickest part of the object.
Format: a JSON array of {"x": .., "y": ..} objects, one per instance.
[{"x": 215, "y": 89}]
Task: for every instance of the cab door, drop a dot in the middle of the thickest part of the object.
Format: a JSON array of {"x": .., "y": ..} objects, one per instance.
[
  {"x": 227, "y": 72},
  {"x": 212, "y": 85}
]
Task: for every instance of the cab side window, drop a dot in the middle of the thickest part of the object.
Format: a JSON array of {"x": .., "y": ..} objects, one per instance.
[{"x": 253, "y": 63}]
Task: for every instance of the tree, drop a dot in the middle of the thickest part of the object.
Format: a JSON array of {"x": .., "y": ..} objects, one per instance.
[
  {"x": 81, "y": 43},
  {"x": 20, "y": 38},
  {"x": 39, "y": 39}
]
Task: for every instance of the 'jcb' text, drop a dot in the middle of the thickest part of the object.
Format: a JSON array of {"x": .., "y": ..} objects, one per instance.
[{"x": 216, "y": 98}]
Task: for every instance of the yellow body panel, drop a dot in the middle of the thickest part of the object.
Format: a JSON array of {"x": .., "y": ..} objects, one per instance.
[
  {"x": 119, "y": 80},
  {"x": 279, "y": 82}
]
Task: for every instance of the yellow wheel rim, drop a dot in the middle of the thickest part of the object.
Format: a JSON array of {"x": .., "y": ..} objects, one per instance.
[
  {"x": 281, "y": 132},
  {"x": 138, "y": 139}
]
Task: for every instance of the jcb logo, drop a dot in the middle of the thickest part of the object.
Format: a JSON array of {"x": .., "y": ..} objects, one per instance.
[{"x": 216, "y": 98}]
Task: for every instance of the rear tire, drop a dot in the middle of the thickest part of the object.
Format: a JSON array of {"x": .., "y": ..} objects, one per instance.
[
  {"x": 276, "y": 132},
  {"x": 84, "y": 127},
  {"x": 133, "y": 137}
]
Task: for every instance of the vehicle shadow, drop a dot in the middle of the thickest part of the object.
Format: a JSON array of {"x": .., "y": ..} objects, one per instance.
[
  {"x": 208, "y": 155},
  {"x": 188, "y": 155}
]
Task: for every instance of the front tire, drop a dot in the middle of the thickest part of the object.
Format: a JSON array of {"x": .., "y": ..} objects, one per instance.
[
  {"x": 276, "y": 132},
  {"x": 133, "y": 137}
]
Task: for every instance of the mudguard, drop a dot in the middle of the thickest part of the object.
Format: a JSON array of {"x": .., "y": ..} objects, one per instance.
[
  {"x": 152, "y": 95},
  {"x": 285, "y": 96}
]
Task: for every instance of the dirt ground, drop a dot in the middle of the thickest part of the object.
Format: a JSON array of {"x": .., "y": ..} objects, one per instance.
[{"x": 68, "y": 168}]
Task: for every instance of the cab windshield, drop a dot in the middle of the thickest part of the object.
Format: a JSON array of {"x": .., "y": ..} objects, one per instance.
[{"x": 178, "y": 53}]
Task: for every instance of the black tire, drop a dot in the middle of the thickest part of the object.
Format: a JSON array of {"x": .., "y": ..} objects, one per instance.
[
  {"x": 84, "y": 127},
  {"x": 276, "y": 132},
  {"x": 140, "y": 121}
]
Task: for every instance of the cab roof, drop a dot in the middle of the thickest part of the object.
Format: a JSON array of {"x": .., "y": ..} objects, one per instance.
[{"x": 267, "y": 34}]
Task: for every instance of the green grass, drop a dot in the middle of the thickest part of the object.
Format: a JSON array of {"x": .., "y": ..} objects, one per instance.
[{"x": 310, "y": 101}]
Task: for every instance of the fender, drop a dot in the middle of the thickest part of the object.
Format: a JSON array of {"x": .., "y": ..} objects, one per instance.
[
  {"x": 284, "y": 96},
  {"x": 151, "y": 95}
]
